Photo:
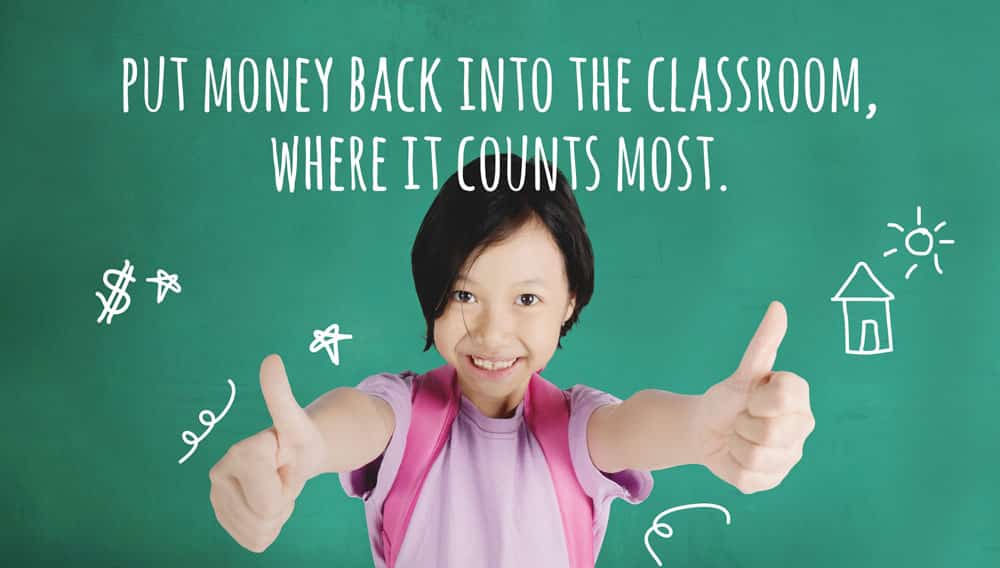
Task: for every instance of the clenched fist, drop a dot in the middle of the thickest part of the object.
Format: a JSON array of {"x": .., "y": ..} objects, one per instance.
[
  {"x": 254, "y": 486},
  {"x": 751, "y": 427}
]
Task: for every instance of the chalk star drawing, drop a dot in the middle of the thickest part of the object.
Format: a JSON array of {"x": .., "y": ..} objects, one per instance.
[
  {"x": 666, "y": 529},
  {"x": 164, "y": 282},
  {"x": 324, "y": 338},
  {"x": 118, "y": 301}
]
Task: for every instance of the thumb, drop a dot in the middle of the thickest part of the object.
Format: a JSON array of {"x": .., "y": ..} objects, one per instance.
[
  {"x": 758, "y": 359},
  {"x": 285, "y": 411}
]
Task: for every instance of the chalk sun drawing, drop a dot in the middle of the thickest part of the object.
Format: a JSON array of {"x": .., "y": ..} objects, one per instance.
[{"x": 913, "y": 243}]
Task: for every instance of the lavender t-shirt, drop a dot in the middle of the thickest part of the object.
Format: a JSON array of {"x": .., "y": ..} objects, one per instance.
[{"x": 488, "y": 500}]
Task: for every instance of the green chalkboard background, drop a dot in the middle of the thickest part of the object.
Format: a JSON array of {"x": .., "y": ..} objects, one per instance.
[{"x": 900, "y": 471}]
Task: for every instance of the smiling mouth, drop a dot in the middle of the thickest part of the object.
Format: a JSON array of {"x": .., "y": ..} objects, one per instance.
[
  {"x": 493, "y": 369},
  {"x": 492, "y": 364}
]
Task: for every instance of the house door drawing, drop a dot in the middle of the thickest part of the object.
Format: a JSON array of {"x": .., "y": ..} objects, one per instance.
[{"x": 869, "y": 334}]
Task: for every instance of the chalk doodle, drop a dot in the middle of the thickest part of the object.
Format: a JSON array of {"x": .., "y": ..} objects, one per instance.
[
  {"x": 165, "y": 282},
  {"x": 923, "y": 238},
  {"x": 119, "y": 299},
  {"x": 871, "y": 335},
  {"x": 209, "y": 420},
  {"x": 113, "y": 303},
  {"x": 659, "y": 526},
  {"x": 330, "y": 336}
]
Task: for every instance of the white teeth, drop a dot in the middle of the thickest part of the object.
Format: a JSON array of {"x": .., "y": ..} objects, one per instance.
[{"x": 492, "y": 366}]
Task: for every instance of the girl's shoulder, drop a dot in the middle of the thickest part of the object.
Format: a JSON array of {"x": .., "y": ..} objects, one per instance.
[
  {"x": 394, "y": 388},
  {"x": 403, "y": 380},
  {"x": 584, "y": 397},
  {"x": 390, "y": 379}
]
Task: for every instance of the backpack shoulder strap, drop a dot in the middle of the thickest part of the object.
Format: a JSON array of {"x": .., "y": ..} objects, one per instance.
[
  {"x": 435, "y": 404},
  {"x": 546, "y": 410}
]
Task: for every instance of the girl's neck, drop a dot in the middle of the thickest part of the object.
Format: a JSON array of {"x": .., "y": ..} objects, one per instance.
[{"x": 504, "y": 407}]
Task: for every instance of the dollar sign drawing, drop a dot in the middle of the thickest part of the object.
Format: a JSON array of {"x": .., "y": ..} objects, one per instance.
[{"x": 112, "y": 304}]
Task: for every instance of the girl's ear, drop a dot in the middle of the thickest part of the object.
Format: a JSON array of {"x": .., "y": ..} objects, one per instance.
[{"x": 569, "y": 309}]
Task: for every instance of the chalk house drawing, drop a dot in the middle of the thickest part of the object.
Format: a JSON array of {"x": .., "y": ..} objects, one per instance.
[{"x": 864, "y": 336}]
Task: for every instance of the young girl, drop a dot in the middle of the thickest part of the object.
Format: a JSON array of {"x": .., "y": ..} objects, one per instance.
[{"x": 482, "y": 462}]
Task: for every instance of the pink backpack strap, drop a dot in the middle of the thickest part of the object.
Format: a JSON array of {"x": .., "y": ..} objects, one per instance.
[
  {"x": 435, "y": 404},
  {"x": 546, "y": 410}
]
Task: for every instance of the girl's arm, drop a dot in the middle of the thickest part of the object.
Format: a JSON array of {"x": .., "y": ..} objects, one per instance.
[
  {"x": 356, "y": 427},
  {"x": 651, "y": 430}
]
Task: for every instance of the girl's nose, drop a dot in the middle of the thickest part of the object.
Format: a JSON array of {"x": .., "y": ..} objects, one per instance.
[{"x": 492, "y": 327}]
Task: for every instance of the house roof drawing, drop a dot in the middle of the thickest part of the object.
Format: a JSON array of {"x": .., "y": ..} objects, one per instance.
[{"x": 855, "y": 289}]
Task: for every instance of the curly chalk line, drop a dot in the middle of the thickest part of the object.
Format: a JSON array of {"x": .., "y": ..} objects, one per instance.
[
  {"x": 658, "y": 525},
  {"x": 209, "y": 420}
]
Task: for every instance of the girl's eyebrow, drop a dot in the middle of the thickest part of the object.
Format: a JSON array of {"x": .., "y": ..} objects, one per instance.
[{"x": 535, "y": 280}]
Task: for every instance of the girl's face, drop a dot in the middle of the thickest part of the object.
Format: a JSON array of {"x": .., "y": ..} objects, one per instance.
[{"x": 503, "y": 317}]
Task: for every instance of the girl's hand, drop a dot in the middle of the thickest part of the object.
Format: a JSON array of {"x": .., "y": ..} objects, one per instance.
[
  {"x": 254, "y": 486},
  {"x": 751, "y": 427}
]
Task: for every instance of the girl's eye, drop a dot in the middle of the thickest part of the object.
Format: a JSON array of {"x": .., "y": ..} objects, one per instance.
[
  {"x": 463, "y": 296},
  {"x": 466, "y": 297},
  {"x": 527, "y": 299}
]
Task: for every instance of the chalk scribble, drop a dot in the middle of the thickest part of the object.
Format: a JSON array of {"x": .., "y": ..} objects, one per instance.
[
  {"x": 209, "y": 419},
  {"x": 666, "y": 531}
]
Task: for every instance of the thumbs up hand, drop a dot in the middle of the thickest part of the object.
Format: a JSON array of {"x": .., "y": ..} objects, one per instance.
[
  {"x": 751, "y": 427},
  {"x": 254, "y": 486}
]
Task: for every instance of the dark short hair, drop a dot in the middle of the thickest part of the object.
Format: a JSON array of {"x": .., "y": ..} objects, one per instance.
[{"x": 459, "y": 221}]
